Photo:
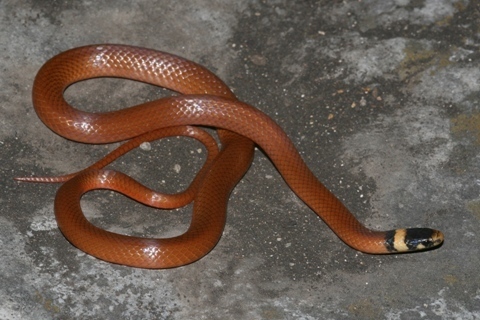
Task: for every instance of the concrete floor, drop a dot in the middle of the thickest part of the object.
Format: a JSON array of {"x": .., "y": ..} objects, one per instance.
[{"x": 380, "y": 97}]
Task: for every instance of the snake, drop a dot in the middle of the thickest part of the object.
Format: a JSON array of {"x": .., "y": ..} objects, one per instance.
[{"x": 200, "y": 99}]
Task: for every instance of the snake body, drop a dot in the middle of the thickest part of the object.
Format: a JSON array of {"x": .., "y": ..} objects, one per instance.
[{"x": 203, "y": 100}]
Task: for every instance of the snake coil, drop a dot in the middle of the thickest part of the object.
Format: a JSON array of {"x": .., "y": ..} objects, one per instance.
[{"x": 204, "y": 100}]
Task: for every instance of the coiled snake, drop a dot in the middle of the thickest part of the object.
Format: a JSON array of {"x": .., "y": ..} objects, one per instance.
[{"x": 204, "y": 100}]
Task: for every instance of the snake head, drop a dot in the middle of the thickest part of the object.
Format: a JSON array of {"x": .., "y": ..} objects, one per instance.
[{"x": 413, "y": 239}]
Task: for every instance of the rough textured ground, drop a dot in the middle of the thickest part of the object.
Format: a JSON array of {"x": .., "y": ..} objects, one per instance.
[{"x": 380, "y": 97}]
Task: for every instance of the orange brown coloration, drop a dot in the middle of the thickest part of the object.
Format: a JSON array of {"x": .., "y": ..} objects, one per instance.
[
  {"x": 206, "y": 101},
  {"x": 170, "y": 201}
]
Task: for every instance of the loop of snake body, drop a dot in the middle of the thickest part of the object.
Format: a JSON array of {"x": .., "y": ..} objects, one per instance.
[{"x": 203, "y": 100}]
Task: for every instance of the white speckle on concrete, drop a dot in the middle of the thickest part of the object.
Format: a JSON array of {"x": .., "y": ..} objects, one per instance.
[
  {"x": 177, "y": 168},
  {"x": 146, "y": 146}
]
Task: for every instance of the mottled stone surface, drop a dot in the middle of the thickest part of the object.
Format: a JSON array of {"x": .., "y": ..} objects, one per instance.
[{"x": 380, "y": 97}]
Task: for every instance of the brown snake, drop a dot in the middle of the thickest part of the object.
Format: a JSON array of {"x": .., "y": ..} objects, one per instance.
[{"x": 204, "y": 100}]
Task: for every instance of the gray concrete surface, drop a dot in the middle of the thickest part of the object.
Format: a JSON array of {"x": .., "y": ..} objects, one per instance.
[{"x": 380, "y": 97}]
